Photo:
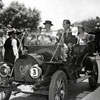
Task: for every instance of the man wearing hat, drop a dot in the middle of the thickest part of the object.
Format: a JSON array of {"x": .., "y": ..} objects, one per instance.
[
  {"x": 47, "y": 36},
  {"x": 11, "y": 48}
]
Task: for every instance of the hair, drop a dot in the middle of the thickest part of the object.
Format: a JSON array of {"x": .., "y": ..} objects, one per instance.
[
  {"x": 82, "y": 27},
  {"x": 67, "y": 21}
]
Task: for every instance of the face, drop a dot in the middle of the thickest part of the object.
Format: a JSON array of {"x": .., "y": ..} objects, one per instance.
[
  {"x": 19, "y": 36},
  {"x": 12, "y": 35},
  {"x": 80, "y": 30},
  {"x": 1, "y": 35},
  {"x": 47, "y": 27},
  {"x": 65, "y": 25}
]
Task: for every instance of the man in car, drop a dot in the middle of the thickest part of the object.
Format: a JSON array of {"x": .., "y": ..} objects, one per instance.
[{"x": 67, "y": 38}]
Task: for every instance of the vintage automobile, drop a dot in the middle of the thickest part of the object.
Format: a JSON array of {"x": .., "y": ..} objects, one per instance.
[{"x": 44, "y": 71}]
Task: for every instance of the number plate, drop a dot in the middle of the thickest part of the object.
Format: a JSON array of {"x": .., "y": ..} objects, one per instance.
[{"x": 34, "y": 72}]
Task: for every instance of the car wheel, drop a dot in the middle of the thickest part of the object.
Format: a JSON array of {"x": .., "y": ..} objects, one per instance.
[
  {"x": 94, "y": 75},
  {"x": 5, "y": 94},
  {"x": 58, "y": 89}
]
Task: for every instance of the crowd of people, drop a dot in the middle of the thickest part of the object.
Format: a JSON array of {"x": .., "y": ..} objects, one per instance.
[{"x": 12, "y": 42}]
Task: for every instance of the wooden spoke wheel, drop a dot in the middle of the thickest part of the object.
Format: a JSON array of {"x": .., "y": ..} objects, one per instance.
[
  {"x": 94, "y": 75},
  {"x": 5, "y": 94},
  {"x": 58, "y": 89}
]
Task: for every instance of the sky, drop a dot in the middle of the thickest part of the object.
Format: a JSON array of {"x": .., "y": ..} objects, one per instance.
[{"x": 58, "y": 10}]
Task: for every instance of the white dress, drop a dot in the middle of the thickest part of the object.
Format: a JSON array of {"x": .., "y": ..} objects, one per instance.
[
  {"x": 83, "y": 38},
  {"x": 47, "y": 38}
]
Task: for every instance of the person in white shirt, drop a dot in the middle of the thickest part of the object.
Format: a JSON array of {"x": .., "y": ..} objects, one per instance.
[
  {"x": 4, "y": 37},
  {"x": 83, "y": 37},
  {"x": 46, "y": 36},
  {"x": 1, "y": 44}
]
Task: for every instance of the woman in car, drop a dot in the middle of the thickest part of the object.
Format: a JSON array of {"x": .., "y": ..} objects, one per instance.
[
  {"x": 46, "y": 36},
  {"x": 83, "y": 37}
]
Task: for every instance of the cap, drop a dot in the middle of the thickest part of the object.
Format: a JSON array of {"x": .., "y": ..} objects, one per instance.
[
  {"x": 18, "y": 32},
  {"x": 10, "y": 32}
]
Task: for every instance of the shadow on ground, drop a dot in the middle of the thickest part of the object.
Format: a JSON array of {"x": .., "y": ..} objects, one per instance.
[
  {"x": 76, "y": 92},
  {"x": 80, "y": 90}
]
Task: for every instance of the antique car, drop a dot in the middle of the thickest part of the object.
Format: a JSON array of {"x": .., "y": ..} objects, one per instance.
[{"x": 44, "y": 71}]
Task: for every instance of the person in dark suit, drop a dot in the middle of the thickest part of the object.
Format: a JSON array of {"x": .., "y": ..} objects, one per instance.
[
  {"x": 11, "y": 48},
  {"x": 69, "y": 39},
  {"x": 65, "y": 37}
]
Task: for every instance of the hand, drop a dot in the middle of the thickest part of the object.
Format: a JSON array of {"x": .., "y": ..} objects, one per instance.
[{"x": 70, "y": 45}]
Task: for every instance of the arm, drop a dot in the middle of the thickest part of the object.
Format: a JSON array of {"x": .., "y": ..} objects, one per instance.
[{"x": 15, "y": 49}]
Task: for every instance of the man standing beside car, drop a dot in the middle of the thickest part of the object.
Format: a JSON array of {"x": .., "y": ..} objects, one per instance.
[{"x": 11, "y": 48}]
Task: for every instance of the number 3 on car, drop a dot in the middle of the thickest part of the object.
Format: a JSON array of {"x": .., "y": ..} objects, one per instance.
[{"x": 35, "y": 71}]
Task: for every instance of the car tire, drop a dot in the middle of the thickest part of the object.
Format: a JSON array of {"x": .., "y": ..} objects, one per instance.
[
  {"x": 58, "y": 89},
  {"x": 5, "y": 95},
  {"x": 94, "y": 75}
]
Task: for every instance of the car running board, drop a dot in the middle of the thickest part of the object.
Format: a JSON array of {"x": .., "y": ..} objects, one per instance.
[
  {"x": 82, "y": 78},
  {"x": 30, "y": 92}
]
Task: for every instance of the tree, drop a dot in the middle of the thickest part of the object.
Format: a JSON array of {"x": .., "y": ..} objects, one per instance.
[
  {"x": 89, "y": 24},
  {"x": 1, "y": 4},
  {"x": 20, "y": 17}
]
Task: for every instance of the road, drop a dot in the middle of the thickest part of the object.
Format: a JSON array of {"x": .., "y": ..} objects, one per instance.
[{"x": 78, "y": 92}]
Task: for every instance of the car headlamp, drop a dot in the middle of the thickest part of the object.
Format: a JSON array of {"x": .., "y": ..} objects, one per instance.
[
  {"x": 4, "y": 70},
  {"x": 35, "y": 71}
]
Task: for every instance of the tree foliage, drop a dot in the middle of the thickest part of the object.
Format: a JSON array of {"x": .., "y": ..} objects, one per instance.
[
  {"x": 1, "y": 4},
  {"x": 18, "y": 16},
  {"x": 89, "y": 24}
]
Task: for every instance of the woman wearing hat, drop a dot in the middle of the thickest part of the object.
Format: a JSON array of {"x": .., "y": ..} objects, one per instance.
[
  {"x": 11, "y": 48},
  {"x": 48, "y": 25},
  {"x": 47, "y": 37}
]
